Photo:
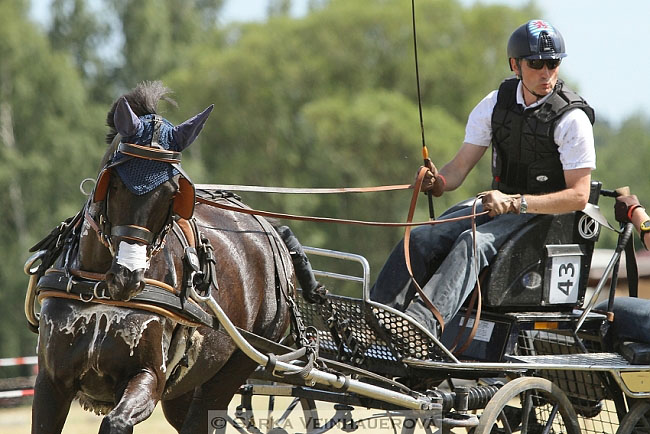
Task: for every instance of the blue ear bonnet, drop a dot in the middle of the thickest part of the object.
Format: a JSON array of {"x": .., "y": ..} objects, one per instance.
[{"x": 142, "y": 176}]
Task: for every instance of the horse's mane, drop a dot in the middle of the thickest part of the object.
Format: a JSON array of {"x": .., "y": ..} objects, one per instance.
[{"x": 143, "y": 99}]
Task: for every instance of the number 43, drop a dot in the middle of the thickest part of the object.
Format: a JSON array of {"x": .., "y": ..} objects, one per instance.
[{"x": 564, "y": 270}]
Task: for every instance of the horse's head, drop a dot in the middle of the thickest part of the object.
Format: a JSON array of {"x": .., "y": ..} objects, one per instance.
[{"x": 141, "y": 187}]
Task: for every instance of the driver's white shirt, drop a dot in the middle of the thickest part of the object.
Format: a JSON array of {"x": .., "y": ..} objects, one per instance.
[{"x": 573, "y": 134}]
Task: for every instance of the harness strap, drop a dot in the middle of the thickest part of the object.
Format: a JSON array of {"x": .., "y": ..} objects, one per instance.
[
  {"x": 155, "y": 134},
  {"x": 89, "y": 287},
  {"x": 149, "y": 153},
  {"x": 130, "y": 305},
  {"x": 186, "y": 230},
  {"x": 135, "y": 233},
  {"x": 88, "y": 275},
  {"x": 632, "y": 271},
  {"x": 95, "y": 227}
]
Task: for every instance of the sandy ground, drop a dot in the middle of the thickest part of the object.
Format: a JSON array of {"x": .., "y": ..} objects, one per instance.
[{"x": 17, "y": 420}]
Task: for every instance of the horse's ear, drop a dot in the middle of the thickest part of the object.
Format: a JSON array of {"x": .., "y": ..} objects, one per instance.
[
  {"x": 126, "y": 121},
  {"x": 185, "y": 133}
]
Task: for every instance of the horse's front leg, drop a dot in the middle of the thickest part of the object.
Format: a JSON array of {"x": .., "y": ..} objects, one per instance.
[
  {"x": 136, "y": 404},
  {"x": 51, "y": 405}
]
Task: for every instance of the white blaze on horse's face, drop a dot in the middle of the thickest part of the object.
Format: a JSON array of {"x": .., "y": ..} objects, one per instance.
[{"x": 132, "y": 256}]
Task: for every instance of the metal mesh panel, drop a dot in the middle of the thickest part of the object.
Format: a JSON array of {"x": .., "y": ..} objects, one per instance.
[
  {"x": 404, "y": 337},
  {"x": 580, "y": 384},
  {"x": 605, "y": 420},
  {"x": 366, "y": 335},
  {"x": 596, "y": 412},
  {"x": 541, "y": 413}
]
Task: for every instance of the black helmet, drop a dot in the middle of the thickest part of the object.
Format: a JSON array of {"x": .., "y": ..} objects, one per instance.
[{"x": 537, "y": 39}]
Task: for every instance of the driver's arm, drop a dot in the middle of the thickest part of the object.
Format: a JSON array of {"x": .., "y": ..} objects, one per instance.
[
  {"x": 573, "y": 198},
  {"x": 463, "y": 162}
]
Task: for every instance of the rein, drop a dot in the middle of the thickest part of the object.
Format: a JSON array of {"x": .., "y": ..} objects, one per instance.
[
  {"x": 422, "y": 294},
  {"x": 208, "y": 201}
]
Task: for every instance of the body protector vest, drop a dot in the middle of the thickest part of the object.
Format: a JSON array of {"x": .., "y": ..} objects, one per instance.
[{"x": 525, "y": 156}]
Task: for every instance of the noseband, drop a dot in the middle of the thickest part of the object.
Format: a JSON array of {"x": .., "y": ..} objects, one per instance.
[{"x": 183, "y": 203}]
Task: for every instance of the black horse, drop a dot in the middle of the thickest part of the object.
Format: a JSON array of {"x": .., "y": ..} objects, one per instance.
[{"x": 142, "y": 230}]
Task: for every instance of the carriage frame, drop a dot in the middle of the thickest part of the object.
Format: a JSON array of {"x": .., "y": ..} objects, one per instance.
[{"x": 555, "y": 359}]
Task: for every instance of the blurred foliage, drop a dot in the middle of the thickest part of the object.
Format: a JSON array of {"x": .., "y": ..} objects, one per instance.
[{"x": 324, "y": 100}]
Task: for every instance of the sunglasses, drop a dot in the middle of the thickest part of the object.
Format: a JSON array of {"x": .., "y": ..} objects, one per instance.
[{"x": 539, "y": 63}]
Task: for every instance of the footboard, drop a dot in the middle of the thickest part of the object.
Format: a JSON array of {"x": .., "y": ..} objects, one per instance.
[{"x": 363, "y": 333}]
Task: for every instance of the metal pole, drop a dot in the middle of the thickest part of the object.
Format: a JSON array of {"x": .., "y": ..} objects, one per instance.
[{"x": 316, "y": 376}]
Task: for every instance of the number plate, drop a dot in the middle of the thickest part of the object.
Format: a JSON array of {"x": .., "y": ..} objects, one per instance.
[
  {"x": 565, "y": 279},
  {"x": 483, "y": 331}
]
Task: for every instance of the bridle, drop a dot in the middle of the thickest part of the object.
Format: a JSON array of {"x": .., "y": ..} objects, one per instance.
[{"x": 182, "y": 205}]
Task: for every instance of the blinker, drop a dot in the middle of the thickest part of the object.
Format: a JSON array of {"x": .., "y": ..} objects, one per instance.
[{"x": 183, "y": 200}]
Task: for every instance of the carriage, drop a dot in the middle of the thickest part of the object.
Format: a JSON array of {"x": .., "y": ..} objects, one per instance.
[
  {"x": 540, "y": 359},
  {"x": 535, "y": 356}
]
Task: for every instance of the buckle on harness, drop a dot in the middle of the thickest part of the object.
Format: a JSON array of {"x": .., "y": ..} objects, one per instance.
[
  {"x": 101, "y": 296},
  {"x": 192, "y": 259}
]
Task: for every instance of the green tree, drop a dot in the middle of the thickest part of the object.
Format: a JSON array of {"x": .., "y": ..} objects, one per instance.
[
  {"x": 330, "y": 100},
  {"x": 48, "y": 133},
  {"x": 157, "y": 35}
]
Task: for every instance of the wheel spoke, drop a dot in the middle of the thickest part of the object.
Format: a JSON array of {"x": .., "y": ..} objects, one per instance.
[
  {"x": 526, "y": 407},
  {"x": 288, "y": 411},
  {"x": 504, "y": 421},
  {"x": 551, "y": 419},
  {"x": 644, "y": 422}
]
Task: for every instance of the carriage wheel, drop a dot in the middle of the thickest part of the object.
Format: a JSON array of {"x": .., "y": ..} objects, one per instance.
[
  {"x": 637, "y": 420},
  {"x": 528, "y": 405}
]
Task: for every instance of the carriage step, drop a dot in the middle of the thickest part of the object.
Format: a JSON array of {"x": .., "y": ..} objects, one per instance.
[{"x": 600, "y": 361}]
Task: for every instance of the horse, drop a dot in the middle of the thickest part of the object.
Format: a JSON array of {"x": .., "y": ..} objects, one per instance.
[{"x": 142, "y": 227}]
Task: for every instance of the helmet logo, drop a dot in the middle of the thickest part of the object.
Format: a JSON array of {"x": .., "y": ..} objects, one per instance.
[{"x": 535, "y": 27}]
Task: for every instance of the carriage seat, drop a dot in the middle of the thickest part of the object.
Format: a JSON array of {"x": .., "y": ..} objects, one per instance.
[{"x": 545, "y": 265}]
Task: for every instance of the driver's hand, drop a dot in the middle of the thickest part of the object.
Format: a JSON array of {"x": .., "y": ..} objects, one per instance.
[
  {"x": 498, "y": 203},
  {"x": 625, "y": 206},
  {"x": 433, "y": 181}
]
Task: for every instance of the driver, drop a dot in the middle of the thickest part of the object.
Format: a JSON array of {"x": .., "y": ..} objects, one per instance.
[{"x": 542, "y": 157}]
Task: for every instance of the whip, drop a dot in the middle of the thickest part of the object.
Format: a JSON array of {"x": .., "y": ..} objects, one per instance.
[{"x": 425, "y": 151}]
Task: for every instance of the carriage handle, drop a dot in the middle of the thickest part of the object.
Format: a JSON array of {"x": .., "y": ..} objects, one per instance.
[
  {"x": 623, "y": 239},
  {"x": 364, "y": 279},
  {"x": 337, "y": 381},
  {"x": 30, "y": 297}
]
